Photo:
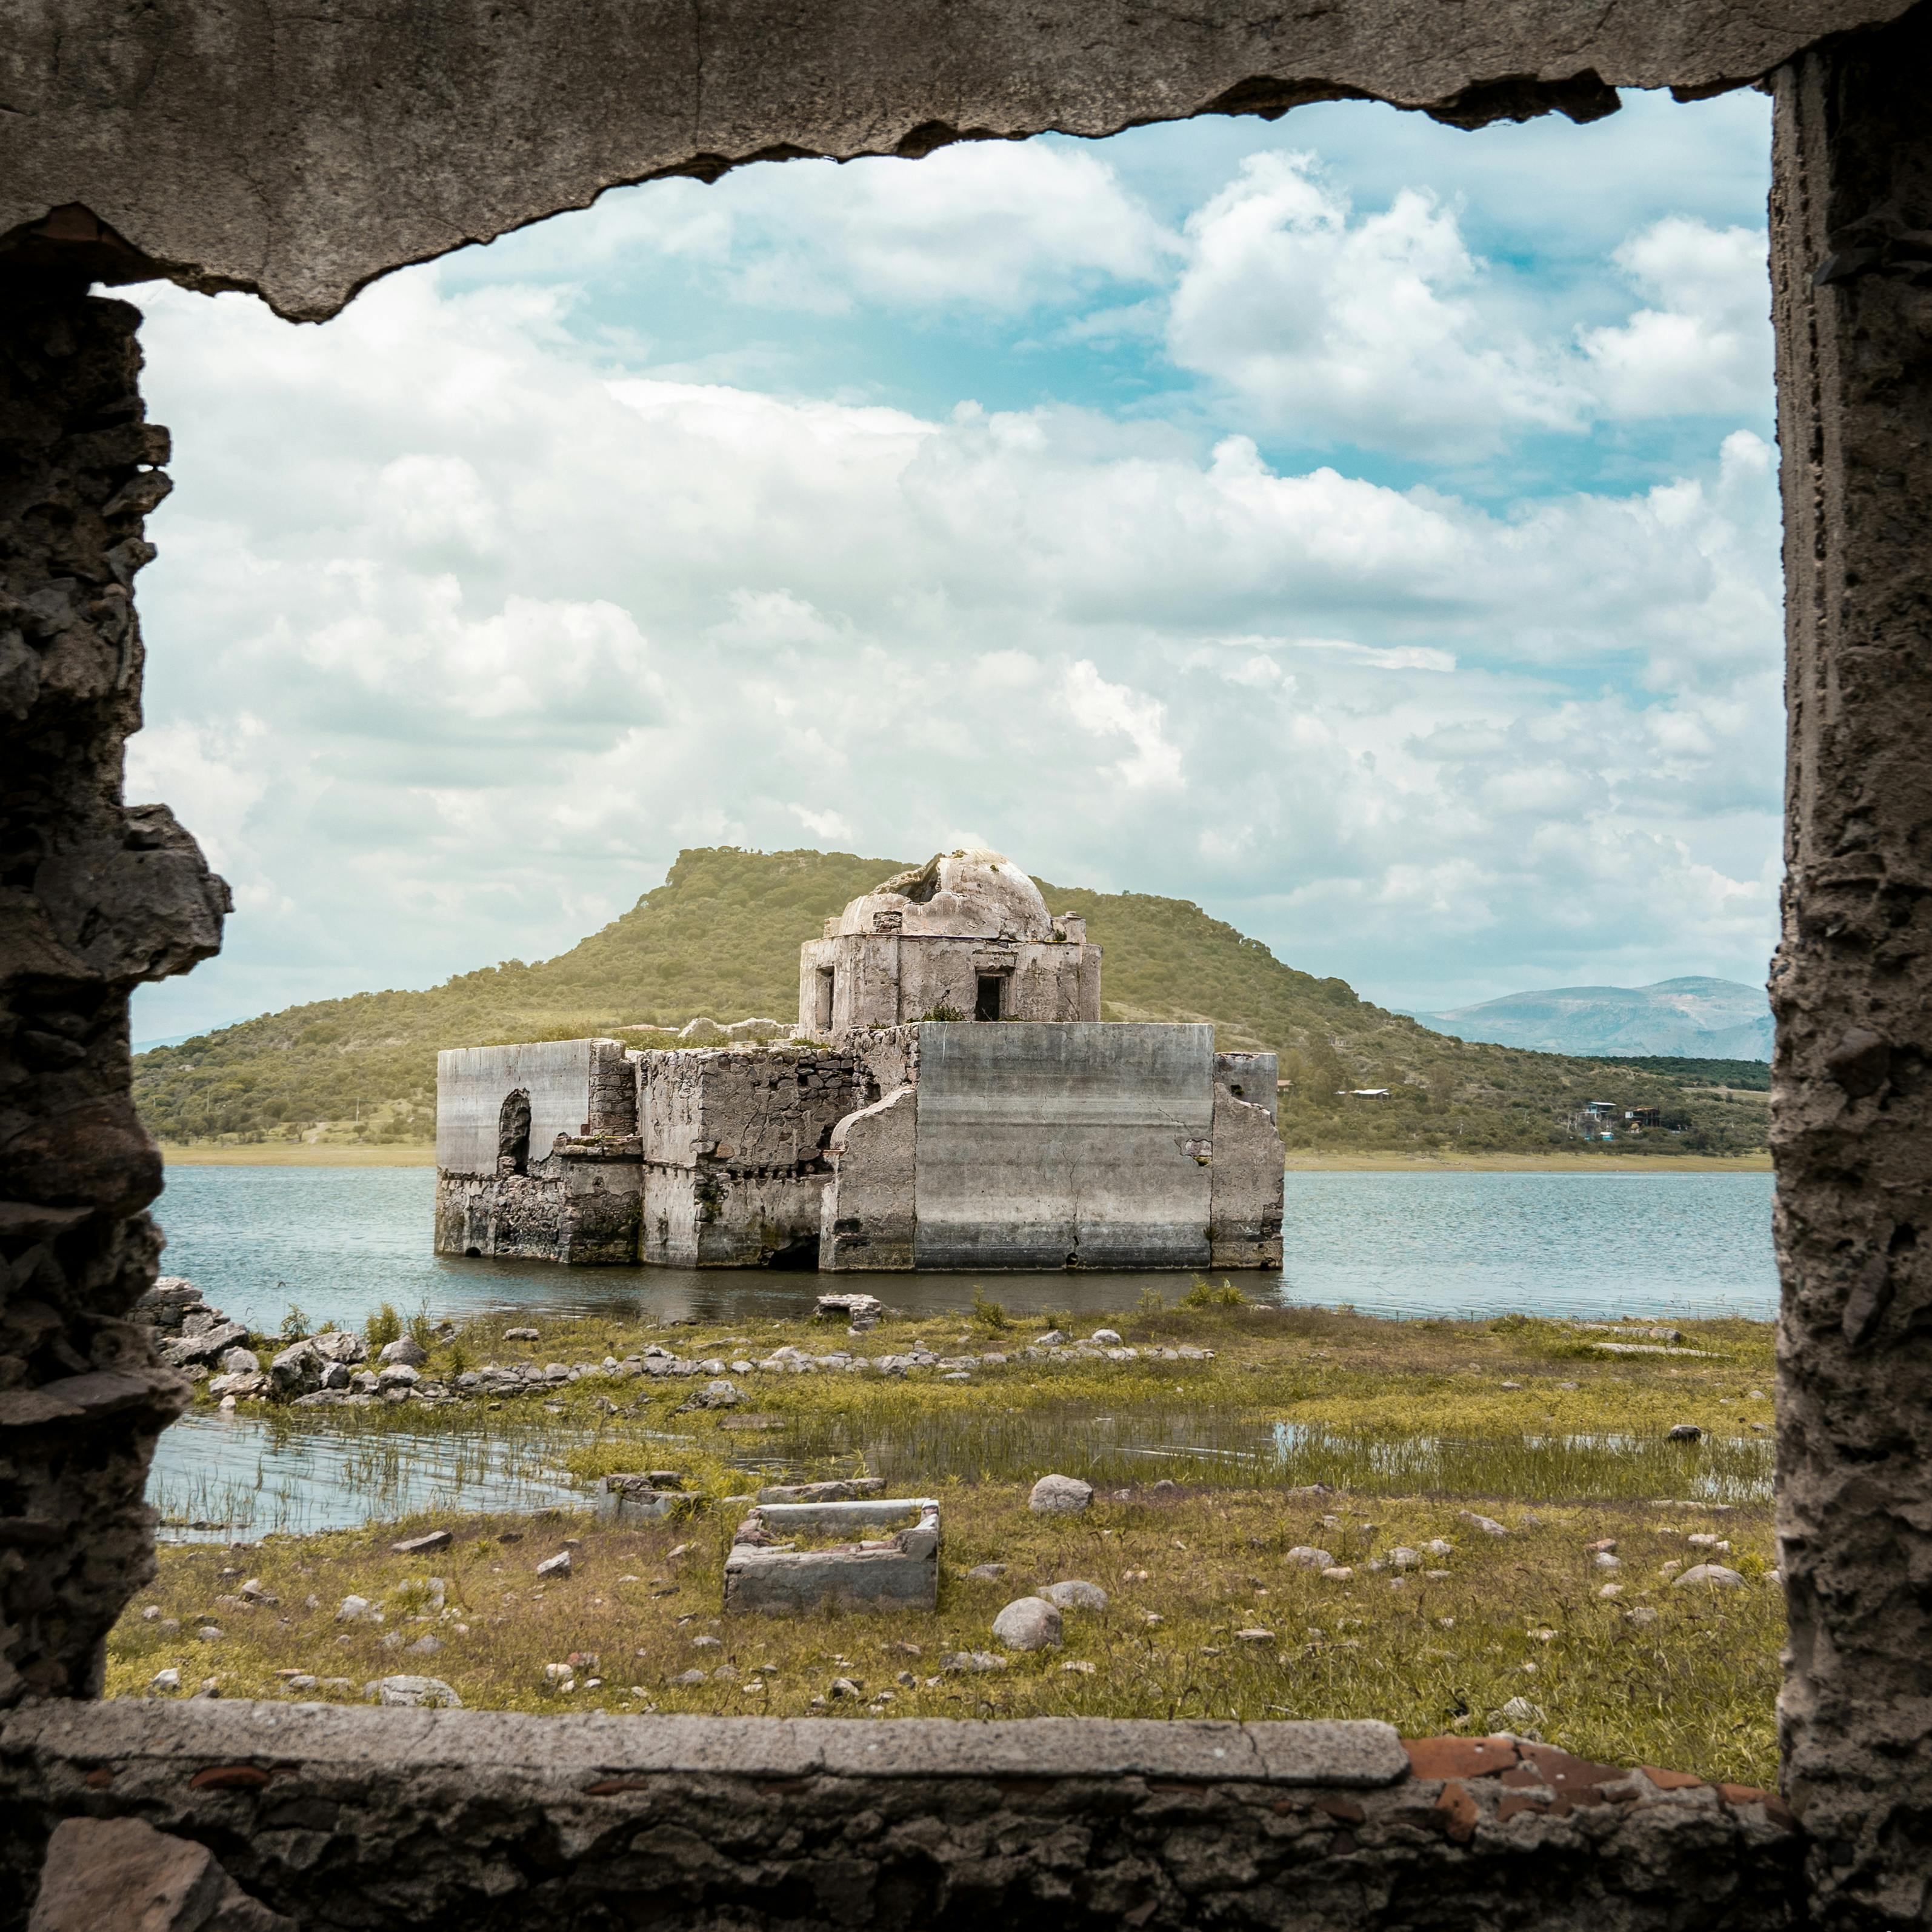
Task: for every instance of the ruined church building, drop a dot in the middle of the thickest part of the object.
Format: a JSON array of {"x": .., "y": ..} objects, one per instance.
[{"x": 894, "y": 1129}]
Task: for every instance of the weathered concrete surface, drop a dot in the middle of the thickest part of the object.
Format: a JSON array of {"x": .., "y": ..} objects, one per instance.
[
  {"x": 536, "y": 1152},
  {"x": 95, "y": 897},
  {"x": 931, "y": 944},
  {"x": 898, "y": 1571},
  {"x": 300, "y": 151},
  {"x": 869, "y": 1210},
  {"x": 575, "y": 1086},
  {"x": 1245, "y": 1202},
  {"x": 453, "y": 1821},
  {"x": 735, "y": 1143},
  {"x": 1085, "y": 1146},
  {"x": 1851, "y": 259}
]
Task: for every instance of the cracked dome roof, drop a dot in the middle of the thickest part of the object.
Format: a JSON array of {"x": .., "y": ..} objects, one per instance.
[{"x": 969, "y": 893}]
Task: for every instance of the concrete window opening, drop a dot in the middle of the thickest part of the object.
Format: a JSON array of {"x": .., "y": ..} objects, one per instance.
[
  {"x": 825, "y": 994},
  {"x": 192, "y": 153},
  {"x": 989, "y": 1001},
  {"x": 513, "y": 1134}
]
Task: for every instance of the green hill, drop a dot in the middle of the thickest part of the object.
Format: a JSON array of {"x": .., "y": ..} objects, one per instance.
[{"x": 720, "y": 937}]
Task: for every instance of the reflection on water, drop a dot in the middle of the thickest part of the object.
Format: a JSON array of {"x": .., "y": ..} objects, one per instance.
[
  {"x": 340, "y": 1241},
  {"x": 217, "y": 1476}
]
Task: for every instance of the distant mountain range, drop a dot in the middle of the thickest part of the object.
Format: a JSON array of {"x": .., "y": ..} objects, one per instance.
[{"x": 1690, "y": 1019}]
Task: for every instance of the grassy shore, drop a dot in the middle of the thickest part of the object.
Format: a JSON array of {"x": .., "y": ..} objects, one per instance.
[
  {"x": 1415, "y": 1427},
  {"x": 414, "y": 1154}
]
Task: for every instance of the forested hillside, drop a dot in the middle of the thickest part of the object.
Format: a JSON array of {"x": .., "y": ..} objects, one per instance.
[{"x": 720, "y": 936}]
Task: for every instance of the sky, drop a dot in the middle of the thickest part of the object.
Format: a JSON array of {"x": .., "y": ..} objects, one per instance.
[{"x": 1366, "y": 529}]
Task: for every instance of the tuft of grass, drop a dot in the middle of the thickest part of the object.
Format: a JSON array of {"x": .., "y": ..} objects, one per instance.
[
  {"x": 1518, "y": 1616},
  {"x": 1203, "y": 1295},
  {"x": 988, "y": 1314},
  {"x": 383, "y": 1327}
]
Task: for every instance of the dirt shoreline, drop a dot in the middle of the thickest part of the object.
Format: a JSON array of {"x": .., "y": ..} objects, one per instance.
[{"x": 283, "y": 1153}]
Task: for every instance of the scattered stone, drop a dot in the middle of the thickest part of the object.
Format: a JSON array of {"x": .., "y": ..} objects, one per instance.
[
  {"x": 1167, "y": 1490},
  {"x": 522, "y": 1335},
  {"x": 397, "y": 1375},
  {"x": 1052, "y": 1339},
  {"x": 1256, "y": 1635},
  {"x": 1487, "y": 1524},
  {"x": 211, "y": 1633},
  {"x": 691, "y": 1677},
  {"x": 1028, "y": 1623},
  {"x": 1611, "y": 1590},
  {"x": 558, "y": 1565},
  {"x": 1641, "y": 1614},
  {"x": 420, "y": 1546},
  {"x": 1075, "y": 1594},
  {"x": 1512, "y": 1385},
  {"x": 1603, "y": 1543},
  {"x": 240, "y": 1362},
  {"x": 257, "y": 1592},
  {"x": 1079, "y": 1663},
  {"x": 410, "y": 1693},
  {"x": 425, "y": 1646},
  {"x": 718, "y": 1393},
  {"x": 1711, "y": 1575},
  {"x": 846, "y": 1687},
  {"x": 1685, "y": 1431},
  {"x": 1529, "y": 1519},
  {"x": 1105, "y": 1338},
  {"x": 1060, "y": 1496},
  {"x": 957, "y": 1660},
  {"x": 167, "y": 1680},
  {"x": 1340, "y": 1573},
  {"x": 357, "y": 1610},
  {"x": 707, "y": 1643},
  {"x": 1440, "y": 1547},
  {"x": 1303, "y": 1557},
  {"x": 1603, "y": 1560},
  {"x": 852, "y": 1489},
  {"x": 120, "y": 1875},
  {"x": 986, "y": 1573},
  {"x": 405, "y": 1350},
  {"x": 1404, "y": 1558},
  {"x": 1519, "y": 1710}
]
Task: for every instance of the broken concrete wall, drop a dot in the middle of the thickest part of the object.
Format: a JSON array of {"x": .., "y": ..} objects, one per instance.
[
  {"x": 1245, "y": 1203},
  {"x": 869, "y": 1215},
  {"x": 575, "y": 1086},
  {"x": 95, "y": 897},
  {"x": 734, "y": 1143},
  {"x": 536, "y": 1152}
]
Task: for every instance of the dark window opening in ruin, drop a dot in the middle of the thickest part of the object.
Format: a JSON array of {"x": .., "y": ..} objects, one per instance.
[
  {"x": 822, "y": 1007},
  {"x": 799, "y": 1255},
  {"x": 513, "y": 1135},
  {"x": 990, "y": 1003}
]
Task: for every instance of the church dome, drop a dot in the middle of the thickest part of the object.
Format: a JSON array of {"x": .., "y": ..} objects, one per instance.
[{"x": 970, "y": 893}]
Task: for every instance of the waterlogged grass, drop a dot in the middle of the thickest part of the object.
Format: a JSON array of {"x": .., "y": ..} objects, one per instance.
[
  {"x": 1508, "y": 1409},
  {"x": 1681, "y": 1677}
]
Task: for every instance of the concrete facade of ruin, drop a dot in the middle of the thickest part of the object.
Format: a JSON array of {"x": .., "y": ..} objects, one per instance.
[
  {"x": 1032, "y": 1136},
  {"x": 299, "y": 152}
]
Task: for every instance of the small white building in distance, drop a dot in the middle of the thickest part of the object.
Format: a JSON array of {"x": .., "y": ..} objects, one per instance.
[{"x": 950, "y": 1099}]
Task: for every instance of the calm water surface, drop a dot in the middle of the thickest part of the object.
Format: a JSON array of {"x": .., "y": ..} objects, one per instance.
[{"x": 338, "y": 1242}]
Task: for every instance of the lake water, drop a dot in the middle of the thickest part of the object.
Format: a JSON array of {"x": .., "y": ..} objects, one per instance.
[{"x": 338, "y": 1242}]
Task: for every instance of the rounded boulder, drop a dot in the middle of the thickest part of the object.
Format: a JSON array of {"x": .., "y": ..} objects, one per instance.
[
  {"x": 1060, "y": 1496},
  {"x": 1028, "y": 1623}
]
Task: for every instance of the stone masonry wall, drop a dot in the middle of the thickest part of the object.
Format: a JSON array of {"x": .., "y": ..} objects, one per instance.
[
  {"x": 456, "y": 1821},
  {"x": 95, "y": 897},
  {"x": 1852, "y": 986}
]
